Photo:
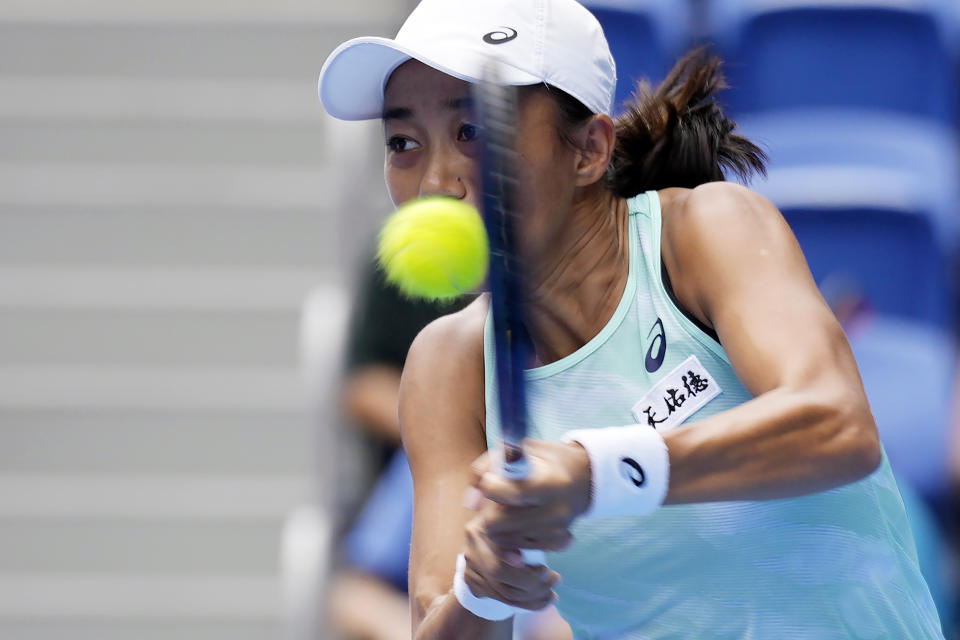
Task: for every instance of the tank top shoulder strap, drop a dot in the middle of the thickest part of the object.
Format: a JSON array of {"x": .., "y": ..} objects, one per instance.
[{"x": 646, "y": 210}]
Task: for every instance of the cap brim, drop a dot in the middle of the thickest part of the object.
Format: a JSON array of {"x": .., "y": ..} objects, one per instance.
[{"x": 354, "y": 77}]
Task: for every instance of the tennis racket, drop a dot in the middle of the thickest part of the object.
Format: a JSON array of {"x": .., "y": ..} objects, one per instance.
[{"x": 497, "y": 108}]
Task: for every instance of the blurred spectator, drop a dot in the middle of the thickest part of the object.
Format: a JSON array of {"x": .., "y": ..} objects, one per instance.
[
  {"x": 383, "y": 324},
  {"x": 375, "y": 550}
]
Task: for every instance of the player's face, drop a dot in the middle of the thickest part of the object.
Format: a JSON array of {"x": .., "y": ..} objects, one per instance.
[{"x": 433, "y": 149}]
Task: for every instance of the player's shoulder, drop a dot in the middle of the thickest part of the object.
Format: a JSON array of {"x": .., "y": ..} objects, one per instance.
[
  {"x": 715, "y": 203},
  {"x": 450, "y": 344},
  {"x": 717, "y": 235},
  {"x": 443, "y": 381},
  {"x": 717, "y": 216}
]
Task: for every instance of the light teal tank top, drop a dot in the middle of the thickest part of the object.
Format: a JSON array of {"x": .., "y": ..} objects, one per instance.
[{"x": 836, "y": 564}]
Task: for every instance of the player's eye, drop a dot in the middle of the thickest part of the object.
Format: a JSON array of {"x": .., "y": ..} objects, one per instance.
[
  {"x": 400, "y": 144},
  {"x": 468, "y": 133}
]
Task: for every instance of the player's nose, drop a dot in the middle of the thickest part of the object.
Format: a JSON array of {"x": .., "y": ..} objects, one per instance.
[{"x": 444, "y": 176}]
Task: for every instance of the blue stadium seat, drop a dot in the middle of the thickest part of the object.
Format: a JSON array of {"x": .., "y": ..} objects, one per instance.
[
  {"x": 886, "y": 259},
  {"x": 908, "y": 371},
  {"x": 873, "y": 200},
  {"x": 894, "y": 55},
  {"x": 646, "y": 37},
  {"x": 912, "y": 162}
]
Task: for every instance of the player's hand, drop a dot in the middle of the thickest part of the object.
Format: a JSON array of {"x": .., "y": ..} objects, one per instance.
[
  {"x": 501, "y": 574},
  {"x": 536, "y": 512}
]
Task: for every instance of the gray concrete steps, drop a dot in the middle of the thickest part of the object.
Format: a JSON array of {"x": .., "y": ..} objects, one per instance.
[
  {"x": 153, "y": 628},
  {"x": 167, "y": 184},
  {"x": 163, "y": 441},
  {"x": 155, "y": 338},
  {"x": 149, "y": 389},
  {"x": 137, "y": 287},
  {"x": 135, "y": 100},
  {"x": 132, "y": 597},
  {"x": 240, "y": 497},
  {"x": 151, "y": 235},
  {"x": 193, "y": 50},
  {"x": 170, "y": 547},
  {"x": 170, "y": 192},
  {"x": 192, "y": 143}
]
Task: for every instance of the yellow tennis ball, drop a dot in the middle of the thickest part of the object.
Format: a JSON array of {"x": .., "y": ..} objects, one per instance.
[{"x": 434, "y": 248}]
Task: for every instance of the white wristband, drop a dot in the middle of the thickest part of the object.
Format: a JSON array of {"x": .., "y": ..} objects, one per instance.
[
  {"x": 486, "y": 608},
  {"x": 629, "y": 469}
]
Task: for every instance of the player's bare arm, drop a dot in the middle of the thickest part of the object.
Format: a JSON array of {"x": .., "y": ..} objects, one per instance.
[
  {"x": 735, "y": 264},
  {"x": 442, "y": 427},
  {"x": 442, "y": 418}
]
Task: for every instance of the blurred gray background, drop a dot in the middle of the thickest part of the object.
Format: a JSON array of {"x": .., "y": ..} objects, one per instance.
[{"x": 167, "y": 204}]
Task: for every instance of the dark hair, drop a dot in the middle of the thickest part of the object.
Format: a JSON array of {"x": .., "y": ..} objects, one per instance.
[{"x": 674, "y": 135}]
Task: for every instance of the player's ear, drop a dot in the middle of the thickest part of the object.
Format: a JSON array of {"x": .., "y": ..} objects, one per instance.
[{"x": 599, "y": 139}]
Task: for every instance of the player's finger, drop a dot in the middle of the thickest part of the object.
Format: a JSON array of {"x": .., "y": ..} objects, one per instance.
[
  {"x": 560, "y": 541},
  {"x": 491, "y": 569},
  {"x": 488, "y": 557},
  {"x": 541, "y": 602},
  {"x": 531, "y": 597},
  {"x": 544, "y": 537},
  {"x": 499, "y": 518},
  {"x": 502, "y": 531},
  {"x": 472, "y": 498},
  {"x": 537, "y": 599},
  {"x": 479, "y": 467},
  {"x": 511, "y": 583},
  {"x": 556, "y": 539},
  {"x": 533, "y": 593},
  {"x": 545, "y": 527},
  {"x": 496, "y": 563},
  {"x": 504, "y": 490}
]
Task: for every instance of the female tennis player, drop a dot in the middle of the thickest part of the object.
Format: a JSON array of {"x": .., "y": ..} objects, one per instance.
[{"x": 704, "y": 460}]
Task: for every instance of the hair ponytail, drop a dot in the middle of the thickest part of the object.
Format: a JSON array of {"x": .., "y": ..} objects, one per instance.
[{"x": 676, "y": 134}]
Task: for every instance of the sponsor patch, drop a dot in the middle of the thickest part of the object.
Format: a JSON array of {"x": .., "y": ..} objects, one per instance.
[{"x": 677, "y": 396}]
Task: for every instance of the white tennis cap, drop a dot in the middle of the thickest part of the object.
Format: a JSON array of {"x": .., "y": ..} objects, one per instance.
[{"x": 557, "y": 42}]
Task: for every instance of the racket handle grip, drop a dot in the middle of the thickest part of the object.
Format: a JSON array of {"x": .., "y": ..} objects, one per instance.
[{"x": 533, "y": 557}]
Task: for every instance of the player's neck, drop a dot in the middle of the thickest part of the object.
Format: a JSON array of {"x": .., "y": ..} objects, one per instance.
[{"x": 578, "y": 285}]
